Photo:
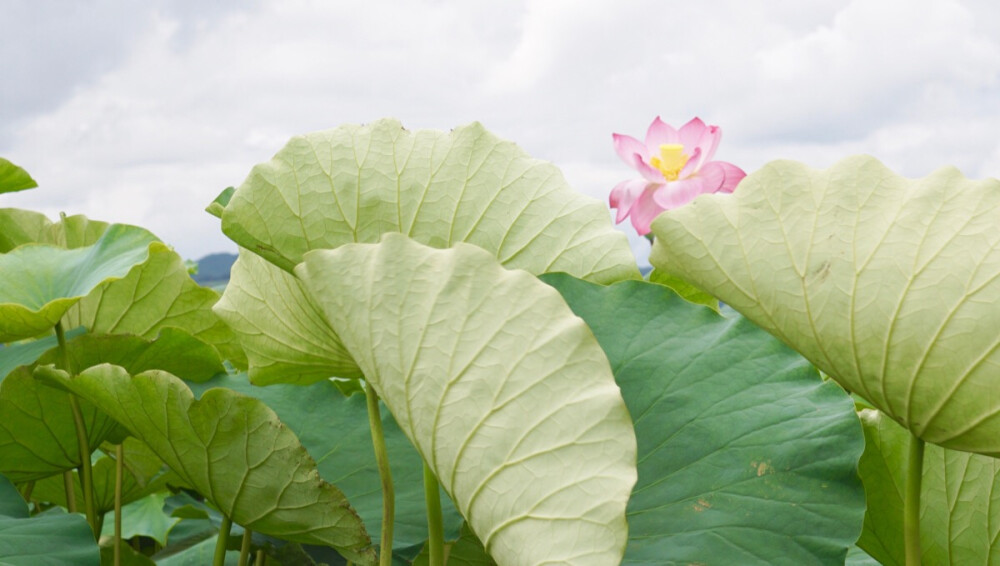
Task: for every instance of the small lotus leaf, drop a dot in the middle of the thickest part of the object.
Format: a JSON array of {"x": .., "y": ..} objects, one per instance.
[
  {"x": 37, "y": 433},
  {"x": 14, "y": 178},
  {"x": 19, "y": 227},
  {"x": 230, "y": 448}
]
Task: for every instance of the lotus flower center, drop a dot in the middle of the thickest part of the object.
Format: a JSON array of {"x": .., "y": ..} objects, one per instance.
[{"x": 671, "y": 160}]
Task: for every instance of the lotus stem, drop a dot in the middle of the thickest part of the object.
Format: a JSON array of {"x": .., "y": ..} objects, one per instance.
[
  {"x": 28, "y": 488},
  {"x": 382, "y": 460},
  {"x": 911, "y": 505},
  {"x": 435, "y": 524},
  {"x": 261, "y": 558},
  {"x": 70, "y": 492},
  {"x": 245, "y": 547},
  {"x": 86, "y": 477},
  {"x": 222, "y": 541},
  {"x": 119, "y": 472}
]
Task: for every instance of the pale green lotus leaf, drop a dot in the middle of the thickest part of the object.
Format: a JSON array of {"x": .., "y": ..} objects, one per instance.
[
  {"x": 14, "y": 178},
  {"x": 503, "y": 391},
  {"x": 154, "y": 295},
  {"x": 356, "y": 183},
  {"x": 50, "y": 538},
  {"x": 41, "y": 282},
  {"x": 19, "y": 227},
  {"x": 889, "y": 285},
  {"x": 284, "y": 334},
  {"x": 230, "y": 448},
  {"x": 959, "y": 499}
]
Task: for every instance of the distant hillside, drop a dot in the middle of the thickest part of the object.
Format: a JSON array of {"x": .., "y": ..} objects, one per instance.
[{"x": 214, "y": 268}]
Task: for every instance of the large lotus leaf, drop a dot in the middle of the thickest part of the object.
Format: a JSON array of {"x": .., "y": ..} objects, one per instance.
[
  {"x": 154, "y": 295},
  {"x": 745, "y": 455},
  {"x": 14, "y": 178},
  {"x": 53, "y": 538},
  {"x": 18, "y": 227},
  {"x": 355, "y": 183},
  {"x": 959, "y": 499},
  {"x": 889, "y": 285},
  {"x": 41, "y": 282},
  {"x": 143, "y": 474},
  {"x": 505, "y": 394},
  {"x": 37, "y": 433},
  {"x": 334, "y": 429},
  {"x": 230, "y": 448},
  {"x": 283, "y": 332}
]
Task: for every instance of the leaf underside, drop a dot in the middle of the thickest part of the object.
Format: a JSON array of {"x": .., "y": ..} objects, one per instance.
[{"x": 889, "y": 285}]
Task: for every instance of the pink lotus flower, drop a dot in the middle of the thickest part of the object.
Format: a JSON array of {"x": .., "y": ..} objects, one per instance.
[{"x": 676, "y": 166}]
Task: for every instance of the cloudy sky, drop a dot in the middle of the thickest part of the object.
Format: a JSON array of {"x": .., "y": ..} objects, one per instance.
[{"x": 141, "y": 112}]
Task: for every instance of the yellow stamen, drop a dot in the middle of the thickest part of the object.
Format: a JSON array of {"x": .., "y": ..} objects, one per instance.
[{"x": 670, "y": 161}]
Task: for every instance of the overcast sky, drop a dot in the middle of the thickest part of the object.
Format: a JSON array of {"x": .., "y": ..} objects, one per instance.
[{"x": 141, "y": 112}]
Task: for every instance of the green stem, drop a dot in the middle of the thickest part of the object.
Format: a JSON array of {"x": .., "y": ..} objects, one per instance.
[
  {"x": 245, "y": 547},
  {"x": 86, "y": 477},
  {"x": 261, "y": 558},
  {"x": 70, "y": 492},
  {"x": 382, "y": 460},
  {"x": 222, "y": 541},
  {"x": 26, "y": 494},
  {"x": 435, "y": 524},
  {"x": 119, "y": 472},
  {"x": 911, "y": 505}
]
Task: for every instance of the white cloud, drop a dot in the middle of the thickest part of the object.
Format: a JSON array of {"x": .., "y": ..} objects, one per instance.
[{"x": 196, "y": 101}]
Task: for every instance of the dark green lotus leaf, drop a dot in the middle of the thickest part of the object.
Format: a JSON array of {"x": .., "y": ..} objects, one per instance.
[
  {"x": 51, "y": 538},
  {"x": 334, "y": 429},
  {"x": 155, "y": 295},
  {"x": 19, "y": 227},
  {"x": 233, "y": 450},
  {"x": 216, "y": 207},
  {"x": 129, "y": 556},
  {"x": 356, "y": 183},
  {"x": 283, "y": 332},
  {"x": 959, "y": 499},
  {"x": 144, "y": 474},
  {"x": 745, "y": 455},
  {"x": 14, "y": 178},
  {"x": 503, "y": 391},
  {"x": 41, "y": 282},
  {"x": 891, "y": 286}
]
